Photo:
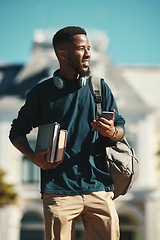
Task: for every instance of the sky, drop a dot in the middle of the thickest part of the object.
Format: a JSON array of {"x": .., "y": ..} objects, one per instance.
[{"x": 132, "y": 26}]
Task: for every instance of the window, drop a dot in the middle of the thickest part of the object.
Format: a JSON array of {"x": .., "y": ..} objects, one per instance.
[
  {"x": 129, "y": 228},
  {"x": 32, "y": 227},
  {"x": 30, "y": 172}
]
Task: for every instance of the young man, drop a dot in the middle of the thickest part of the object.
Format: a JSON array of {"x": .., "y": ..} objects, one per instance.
[{"x": 80, "y": 186}]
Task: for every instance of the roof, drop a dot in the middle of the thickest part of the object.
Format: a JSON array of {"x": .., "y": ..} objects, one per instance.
[{"x": 9, "y": 86}]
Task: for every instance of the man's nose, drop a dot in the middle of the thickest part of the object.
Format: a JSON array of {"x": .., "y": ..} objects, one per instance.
[{"x": 87, "y": 52}]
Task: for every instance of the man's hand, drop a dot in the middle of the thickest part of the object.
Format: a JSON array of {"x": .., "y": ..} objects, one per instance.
[
  {"x": 21, "y": 143},
  {"x": 39, "y": 160},
  {"x": 103, "y": 126},
  {"x": 107, "y": 129}
]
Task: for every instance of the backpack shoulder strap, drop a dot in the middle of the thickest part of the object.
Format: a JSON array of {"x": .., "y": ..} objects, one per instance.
[{"x": 96, "y": 90}]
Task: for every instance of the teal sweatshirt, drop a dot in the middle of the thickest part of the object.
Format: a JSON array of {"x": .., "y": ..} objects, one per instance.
[{"x": 83, "y": 168}]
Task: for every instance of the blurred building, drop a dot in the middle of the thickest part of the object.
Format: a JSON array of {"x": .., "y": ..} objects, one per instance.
[{"x": 137, "y": 92}]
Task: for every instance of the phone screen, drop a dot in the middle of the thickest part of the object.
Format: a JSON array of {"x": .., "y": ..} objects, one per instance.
[{"x": 107, "y": 115}]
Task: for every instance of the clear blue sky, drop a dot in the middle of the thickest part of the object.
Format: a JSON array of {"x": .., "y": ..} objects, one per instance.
[{"x": 133, "y": 26}]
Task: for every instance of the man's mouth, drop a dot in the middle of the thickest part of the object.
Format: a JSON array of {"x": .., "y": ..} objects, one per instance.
[{"x": 85, "y": 63}]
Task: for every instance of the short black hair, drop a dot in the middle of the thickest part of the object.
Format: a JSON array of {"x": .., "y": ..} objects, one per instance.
[{"x": 65, "y": 35}]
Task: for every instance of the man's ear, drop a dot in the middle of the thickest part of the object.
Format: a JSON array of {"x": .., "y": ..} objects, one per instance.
[{"x": 61, "y": 53}]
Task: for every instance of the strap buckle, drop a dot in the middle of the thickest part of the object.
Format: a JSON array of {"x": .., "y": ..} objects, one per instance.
[{"x": 97, "y": 97}]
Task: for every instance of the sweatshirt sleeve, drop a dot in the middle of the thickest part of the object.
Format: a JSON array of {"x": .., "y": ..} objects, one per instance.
[{"x": 27, "y": 117}]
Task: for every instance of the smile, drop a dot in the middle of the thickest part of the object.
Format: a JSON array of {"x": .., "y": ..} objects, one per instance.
[{"x": 85, "y": 63}]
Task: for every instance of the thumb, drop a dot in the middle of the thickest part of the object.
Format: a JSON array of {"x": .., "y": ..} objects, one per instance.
[{"x": 47, "y": 150}]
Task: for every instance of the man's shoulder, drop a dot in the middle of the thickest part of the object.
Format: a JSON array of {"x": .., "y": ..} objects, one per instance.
[
  {"x": 45, "y": 82},
  {"x": 42, "y": 85}
]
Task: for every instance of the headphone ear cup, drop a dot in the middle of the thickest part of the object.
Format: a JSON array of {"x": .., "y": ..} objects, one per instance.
[
  {"x": 58, "y": 82},
  {"x": 82, "y": 81}
]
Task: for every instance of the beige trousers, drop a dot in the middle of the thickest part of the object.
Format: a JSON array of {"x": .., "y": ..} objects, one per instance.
[{"x": 97, "y": 211}]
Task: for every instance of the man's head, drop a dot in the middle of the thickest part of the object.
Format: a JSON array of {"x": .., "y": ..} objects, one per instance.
[
  {"x": 72, "y": 48},
  {"x": 65, "y": 35}
]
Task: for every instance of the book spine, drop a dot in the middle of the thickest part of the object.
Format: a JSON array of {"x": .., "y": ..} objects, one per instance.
[
  {"x": 61, "y": 145},
  {"x": 54, "y": 142}
]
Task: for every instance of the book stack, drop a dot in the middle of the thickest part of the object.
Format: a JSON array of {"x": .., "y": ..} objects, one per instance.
[{"x": 51, "y": 136}]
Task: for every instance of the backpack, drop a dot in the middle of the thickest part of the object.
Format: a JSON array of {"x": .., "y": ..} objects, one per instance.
[{"x": 120, "y": 159}]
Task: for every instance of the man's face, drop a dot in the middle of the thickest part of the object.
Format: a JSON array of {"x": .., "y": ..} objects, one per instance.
[{"x": 78, "y": 54}]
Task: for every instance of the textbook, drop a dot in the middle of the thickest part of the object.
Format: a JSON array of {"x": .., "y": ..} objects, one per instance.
[
  {"x": 61, "y": 145},
  {"x": 50, "y": 136}
]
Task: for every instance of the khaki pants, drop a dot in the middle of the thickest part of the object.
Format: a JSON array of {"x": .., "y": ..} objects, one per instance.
[{"x": 97, "y": 211}]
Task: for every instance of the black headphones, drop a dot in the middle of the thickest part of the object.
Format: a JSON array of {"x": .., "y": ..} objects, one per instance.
[{"x": 59, "y": 82}]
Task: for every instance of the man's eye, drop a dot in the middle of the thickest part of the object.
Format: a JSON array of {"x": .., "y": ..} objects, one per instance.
[{"x": 83, "y": 48}]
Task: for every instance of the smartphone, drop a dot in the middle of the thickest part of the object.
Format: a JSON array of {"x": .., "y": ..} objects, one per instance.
[{"x": 107, "y": 115}]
